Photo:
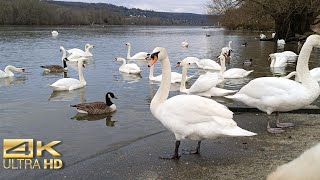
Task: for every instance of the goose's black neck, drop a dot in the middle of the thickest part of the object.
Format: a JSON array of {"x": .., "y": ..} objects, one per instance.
[
  {"x": 64, "y": 64},
  {"x": 108, "y": 100}
]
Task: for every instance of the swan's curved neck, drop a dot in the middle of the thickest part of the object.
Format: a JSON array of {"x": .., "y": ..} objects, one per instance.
[
  {"x": 230, "y": 44},
  {"x": 163, "y": 91},
  {"x": 302, "y": 64},
  {"x": 223, "y": 65},
  {"x": 8, "y": 70},
  {"x": 184, "y": 79},
  {"x": 124, "y": 62},
  {"x": 87, "y": 49},
  {"x": 80, "y": 69},
  {"x": 128, "y": 54}
]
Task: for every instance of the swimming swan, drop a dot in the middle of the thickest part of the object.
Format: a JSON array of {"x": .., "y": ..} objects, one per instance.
[
  {"x": 128, "y": 68},
  {"x": 139, "y": 55},
  {"x": 8, "y": 71},
  {"x": 185, "y": 44},
  {"x": 190, "y": 116},
  {"x": 274, "y": 94},
  {"x": 232, "y": 73},
  {"x": 54, "y": 33},
  {"x": 68, "y": 84},
  {"x": 73, "y": 57},
  {"x": 175, "y": 77},
  {"x": 205, "y": 85},
  {"x": 85, "y": 53},
  {"x": 208, "y": 64},
  {"x": 97, "y": 107}
]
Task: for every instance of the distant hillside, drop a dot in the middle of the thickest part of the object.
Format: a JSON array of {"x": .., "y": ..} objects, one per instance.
[{"x": 164, "y": 18}]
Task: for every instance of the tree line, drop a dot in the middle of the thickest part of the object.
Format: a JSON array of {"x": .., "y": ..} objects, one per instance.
[{"x": 46, "y": 12}]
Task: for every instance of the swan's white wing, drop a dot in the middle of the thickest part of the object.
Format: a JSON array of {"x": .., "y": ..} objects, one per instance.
[
  {"x": 205, "y": 82},
  {"x": 75, "y": 56},
  {"x": 234, "y": 72},
  {"x": 75, "y": 50},
  {"x": 66, "y": 82},
  {"x": 2, "y": 74},
  {"x": 315, "y": 73},
  {"x": 131, "y": 66},
  {"x": 209, "y": 63}
]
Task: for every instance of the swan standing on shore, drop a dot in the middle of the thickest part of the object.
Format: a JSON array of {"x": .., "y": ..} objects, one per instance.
[
  {"x": 8, "y": 71},
  {"x": 139, "y": 55},
  {"x": 190, "y": 116},
  {"x": 97, "y": 107},
  {"x": 205, "y": 85},
  {"x": 68, "y": 84},
  {"x": 128, "y": 68},
  {"x": 273, "y": 94}
]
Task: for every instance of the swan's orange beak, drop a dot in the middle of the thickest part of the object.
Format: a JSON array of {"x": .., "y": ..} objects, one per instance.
[{"x": 154, "y": 58}]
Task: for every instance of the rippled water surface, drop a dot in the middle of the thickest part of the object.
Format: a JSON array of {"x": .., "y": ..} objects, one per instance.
[{"x": 29, "y": 108}]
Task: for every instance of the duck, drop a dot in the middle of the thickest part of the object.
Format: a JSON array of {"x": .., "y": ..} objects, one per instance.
[
  {"x": 277, "y": 94},
  {"x": 306, "y": 166},
  {"x": 69, "y": 84},
  {"x": 128, "y": 68},
  {"x": 208, "y": 35},
  {"x": 85, "y": 53},
  {"x": 54, "y": 33},
  {"x": 138, "y": 56},
  {"x": 57, "y": 68},
  {"x": 208, "y": 64},
  {"x": 233, "y": 73},
  {"x": 175, "y": 77},
  {"x": 189, "y": 116},
  {"x": 185, "y": 44},
  {"x": 8, "y": 71},
  {"x": 97, "y": 107},
  {"x": 227, "y": 50},
  {"x": 205, "y": 85},
  {"x": 247, "y": 62}
]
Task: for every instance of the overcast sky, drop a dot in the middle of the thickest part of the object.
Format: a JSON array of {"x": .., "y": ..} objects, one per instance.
[{"x": 189, "y": 6}]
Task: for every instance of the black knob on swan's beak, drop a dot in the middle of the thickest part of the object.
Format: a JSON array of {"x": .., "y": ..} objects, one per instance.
[{"x": 149, "y": 65}]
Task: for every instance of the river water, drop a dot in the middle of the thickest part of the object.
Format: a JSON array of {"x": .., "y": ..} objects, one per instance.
[{"x": 30, "y": 110}]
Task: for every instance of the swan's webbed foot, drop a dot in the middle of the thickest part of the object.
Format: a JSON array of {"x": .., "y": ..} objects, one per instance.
[
  {"x": 275, "y": 130},
  {"x": 170, "y": 157},
  {"x": 285, "y": 125},
  {"x": 195, "y": 151}
]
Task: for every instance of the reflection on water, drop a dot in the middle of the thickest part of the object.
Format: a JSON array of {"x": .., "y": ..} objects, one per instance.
[
  {"x": 278, "y": 71},
  {"x": 15, "y": 80},
  {"x": 130, "y": 78},
  {"x": 96, "y": 117},
  {"x": 62, "y": 75},
  {"x": 68, "y": 95}
]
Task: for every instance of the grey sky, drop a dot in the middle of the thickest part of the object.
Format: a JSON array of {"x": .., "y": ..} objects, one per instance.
[{"x": 190, "y": 6}]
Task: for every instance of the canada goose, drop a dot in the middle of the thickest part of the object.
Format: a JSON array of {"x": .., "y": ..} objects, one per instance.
[{"x": 97, "y": 107}]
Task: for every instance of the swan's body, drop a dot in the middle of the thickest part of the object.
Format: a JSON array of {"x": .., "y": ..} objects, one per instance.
[
  {"x": 232, "y": 73},
  {"x": 278, "y": 60},
  {"x": 262, "y": 36},
  {"x": 175, "y": 77},
  {"x": 208, "y": 64},
  {"x": 291, "y": 56},
  {"x": 8, "y": 71},
  {"x": 189, "y": 116},
  {"x": 85, "y": 53},
  {"x": 272, "y": 94},
  {"x": 306, "y": 166},
  {"x": 315, "y": 74},
  {"x": 128, "y": 68},
  {"x": 192, "y": 60},
  {"x": 205, "y": 85},
  {"x": 97, "y": 107},
  {"x": 54, "y": 33},
  {"x": 73, "y": 57},
  {"x": 185, "y": 44},
  {"x": 68, "y": 84},
  {"x": 139, "y": 55}
]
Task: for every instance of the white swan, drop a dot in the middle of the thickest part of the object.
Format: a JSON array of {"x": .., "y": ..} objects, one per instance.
[
  {"x": 208, "y": 64},
  {"x": 273, "y": 94},
  {"x": 232, "y": 73},
  {"x": 73, "y": 57},
  {"x": 281, "y": 43},
  {"x": 205, "y": 85},
  {"x": 128, "y": 68},
  {"x": 85, "y": 53},
  {"x": 273, "y": 35},
  {"x": 139, "y": 55},
  {"x": 227, "y": 50},
  {"x": 68, "y": 84},
  {"x": 190, "y": 116},
  {"x": 54, "y": 33},
  {"x": 315, "y": 74},
  {"x": 262, "y": 36},
  {"x": 291, "y": 56},
  {"x": 8, "y": 71},
  {"x": 278, "y": 60},
  {"x": 306, "y": 166},
  {"x": 185, "y": 44},
  {"x": 175, "y": 77}
]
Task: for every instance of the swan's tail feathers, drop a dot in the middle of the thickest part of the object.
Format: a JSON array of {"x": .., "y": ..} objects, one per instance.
[
  {"x": 248, "y": 72},
  {"x": 237, "y": 131}
]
